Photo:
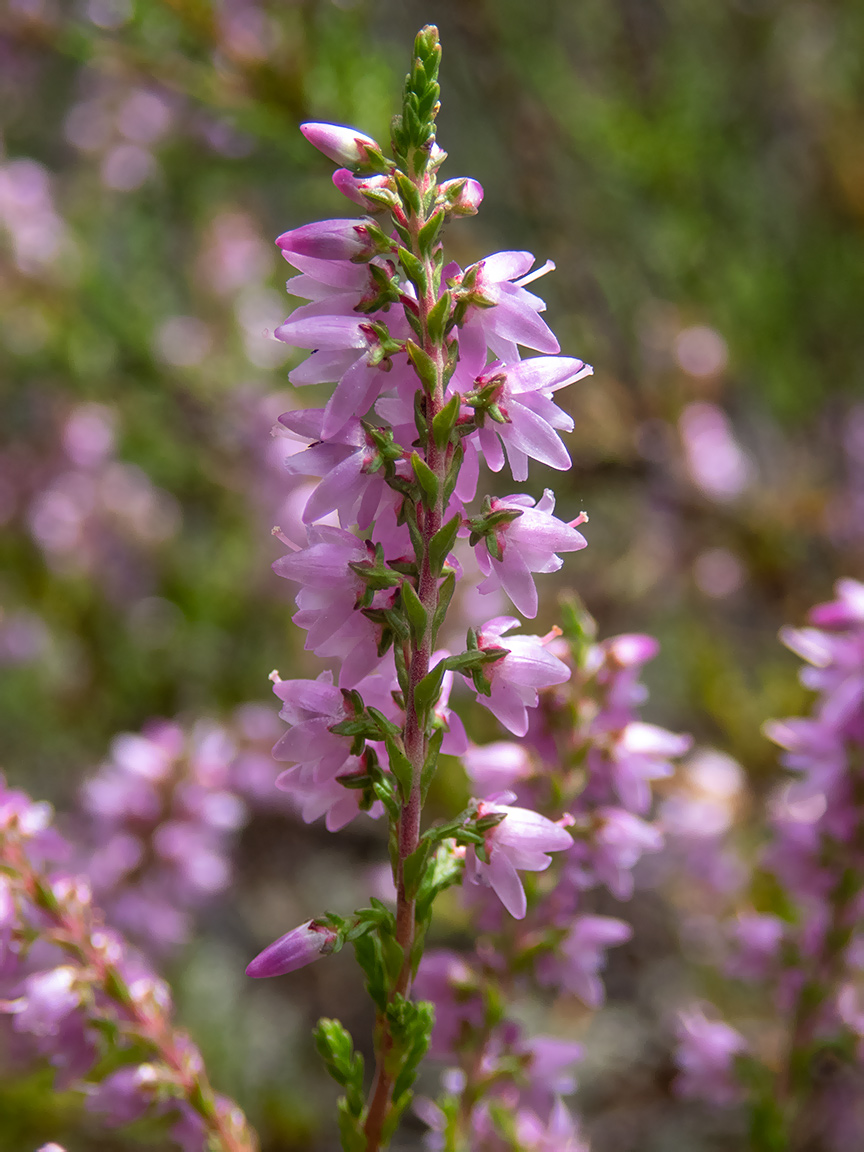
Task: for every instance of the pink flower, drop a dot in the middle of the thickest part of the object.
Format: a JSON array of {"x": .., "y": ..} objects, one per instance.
[
  {"x": 357, "y": 187},
  {"x": 493, "y": 767},
  {"x": 343, "y": 462},
  {"x": 338, "y": 143},
  {"x": 328, "y": 599},
  {"x": 520, "y": 842},
  {"x": 620, "y": 842},
  {"x": 532, "y": 421},
  {"x": 294, "y": 950},
  {"x": 326, "y": 240},
  {"x": 705, "y": 1056},
  {"x": 581, "y": 955},
  {"x": 345, "y": 349},
  {"x": 515, "y": 678},
  {"x": 641, "y": 753},
  {"x": 526, "y": 545},
  {"x": 500, "y": 280}
]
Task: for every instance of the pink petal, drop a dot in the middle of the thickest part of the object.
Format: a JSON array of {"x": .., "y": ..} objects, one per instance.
[{"x": 506, "y": 884}]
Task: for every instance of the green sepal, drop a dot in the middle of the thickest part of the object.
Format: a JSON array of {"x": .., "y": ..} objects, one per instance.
[
  {"x": 430, "y": 765},
  {"x": 356, "y": 726},
  {"x": 444, "y": 423},
  {"x": 375, "y": 573},
  {"x": 424, "y": 366},
  {"x": 466, "y": 662},
  {"x": 417, "y": 615},
  {"x": 442, "y": 542},
  {"x": 385, "y": 727},
  {"x": 426, "y": 478}
]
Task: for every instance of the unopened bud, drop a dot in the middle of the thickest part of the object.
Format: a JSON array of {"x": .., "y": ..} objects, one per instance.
[
  {"x": 294, "y": 950},
  {"x": 343, "y": 145},
  {"x": 462, "y": 197}
]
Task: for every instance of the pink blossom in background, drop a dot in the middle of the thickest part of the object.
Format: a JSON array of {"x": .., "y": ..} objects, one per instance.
[{"x": 716, "y": 463}]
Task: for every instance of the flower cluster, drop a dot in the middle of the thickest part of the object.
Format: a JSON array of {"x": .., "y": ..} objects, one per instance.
[
  {"x": 425, "y": 360},
  {"x": 70, "y": 983},
  {"x": 87, "y": 511},
  {"x": 159, "y": 818},
  {"x": 587, "y": 756},
  {"x": 802, "y": 945}
]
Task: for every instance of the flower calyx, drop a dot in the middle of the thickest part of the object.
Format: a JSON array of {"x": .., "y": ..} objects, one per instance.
[
  {"x": 382, "y": 290},
  {"x": 484, "y": 399},
  {"x": 489, "y": 526}
]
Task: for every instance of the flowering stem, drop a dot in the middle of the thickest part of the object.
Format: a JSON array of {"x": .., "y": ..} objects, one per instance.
[
  {"x": 429, "y": 521},
  {"x": 143, "y": 1015}
]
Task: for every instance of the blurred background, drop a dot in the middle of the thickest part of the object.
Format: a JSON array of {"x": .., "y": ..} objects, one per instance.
[{"x": 696, "y": 171}]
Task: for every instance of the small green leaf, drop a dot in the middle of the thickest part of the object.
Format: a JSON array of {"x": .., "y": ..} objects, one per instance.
[
  {"x": 429, "y": 232},
  {"x": 414, "y": 867},
  {"x": 426, "y": 477},
  {"x": 385, "y": 727},
  {"x": 431, "y": 763},
  {"x": 424, "y": 366},
  {"x": 367, "y": 949},
  {"x": 466, "y": 662},
  {"x": 414, "y": 270},
  {"x": 437, "y": 322},
  {"x": 453, "y": 467},
  {"x": 442, "y": 542},
  {"x": 444, "y": 423},
  {"x": 400, "y": 766},
  {"x": 409, "y": 192},
  {"x": 417, "y": 615},
  {"x": 429, "y": 689},
  {"x": 445, "y": 595}
]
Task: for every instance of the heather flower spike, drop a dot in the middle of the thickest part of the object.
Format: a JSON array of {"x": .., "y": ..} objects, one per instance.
[{"x": 427, "y": 384}]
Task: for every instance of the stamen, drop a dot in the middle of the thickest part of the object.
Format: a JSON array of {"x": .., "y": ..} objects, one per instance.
[{"x": 549, "y": 266}]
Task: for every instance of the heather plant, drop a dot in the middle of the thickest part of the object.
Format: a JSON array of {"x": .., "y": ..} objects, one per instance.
[
  {"x": 429, "y": 376},
  {"x": 430, "y": 385},
  {"x": 793, "y": 930}
]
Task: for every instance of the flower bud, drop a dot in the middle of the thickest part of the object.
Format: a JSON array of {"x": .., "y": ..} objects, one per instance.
[
  {"x": 295, "y": 949},
  {"x": 371, "y": 192},
  {"x": 462, "y": 197},
  {"x": 343, "y": 145}
]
